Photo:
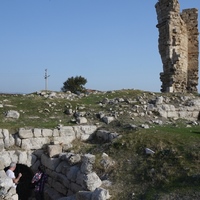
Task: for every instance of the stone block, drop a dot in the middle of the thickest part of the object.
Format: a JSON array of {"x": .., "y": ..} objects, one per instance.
[
  {"x": 51, "y": 194},
  {"x": 62, "y": 179},
  {"x": 12, "y": 114},
  {"x": 5, "y": 182},
  {"x": 100, "y": 193},
  {"x": 75, "y": 187},
  {"x": 84, "y": 132},
  {"x": 84, "y": 195},
  {"x": 38, "y": 152},
  {"x": 64, "y": 139},
  {"x": 12, "y": 140},
  {"x": 22, "y": 157},
  {"x": 34, "y": 143},
  {"x": 72, "y": 173},
  {"x": 91, "y": 181},
  {"x": 35, "y": 166},
  {"x": 6, "y": 138},
  {"x": 74, "y": 159},
  {"x": 54, "y": 150},
  {"x": 60, "y": 188},
  {"x": 62, "y": 167},
  {"x": 102, "y": 134},
  {"x": 80, "y": 177},
  {"x": 55, "y": 133},
  {"x": 23, "y": 133},
  {"x": 37, "y": 132},
  {"x": 1, "y": 145},
  {"x": 47, "y": 132},
  {"x": 1, "y": 134},
  {"x": 13, "y": 156},
  {"x": 50, "y": 163},
  {"x": 81, "y": 120},
  {"x": 5, "y": 158},
  {"x": 66, "y": 131}
]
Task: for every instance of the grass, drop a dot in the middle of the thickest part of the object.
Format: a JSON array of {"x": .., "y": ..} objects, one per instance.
[
  {"x": 174, "y": 168},
  {"x": 175, "y": 164},
  {"x": 38, "y": 111}
]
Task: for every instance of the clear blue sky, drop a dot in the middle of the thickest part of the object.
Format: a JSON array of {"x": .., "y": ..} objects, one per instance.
[{"x": 112, "y": 43}]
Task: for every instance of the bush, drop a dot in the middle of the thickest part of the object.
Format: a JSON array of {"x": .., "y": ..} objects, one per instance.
[{"x": 74, "y": 84}]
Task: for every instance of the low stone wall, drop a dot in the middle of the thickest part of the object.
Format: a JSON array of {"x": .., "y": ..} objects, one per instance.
[
  {"x": 189, "y": 109},
  {"x": 71, "y": 176}
]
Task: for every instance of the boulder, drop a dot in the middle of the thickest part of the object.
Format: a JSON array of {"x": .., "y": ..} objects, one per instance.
[{"x": 12, "y": 114}]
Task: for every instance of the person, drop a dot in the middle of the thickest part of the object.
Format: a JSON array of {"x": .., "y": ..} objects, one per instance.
[
  {"x": 39, "y": 179},
  {"x": 10, "y": 173}
]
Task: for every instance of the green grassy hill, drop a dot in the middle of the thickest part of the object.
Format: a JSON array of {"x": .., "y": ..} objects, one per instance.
[{"x": 172, "y": 172}]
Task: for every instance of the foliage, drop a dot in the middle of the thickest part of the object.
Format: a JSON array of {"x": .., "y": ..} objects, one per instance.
[{"x": 74, "y": 84}]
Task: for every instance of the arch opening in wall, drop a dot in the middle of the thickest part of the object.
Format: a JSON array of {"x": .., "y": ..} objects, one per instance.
[{"x": 23, "y": 189}]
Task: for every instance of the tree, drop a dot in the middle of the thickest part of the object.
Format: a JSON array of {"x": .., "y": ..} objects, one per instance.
[{"x": 74, "y": 84}]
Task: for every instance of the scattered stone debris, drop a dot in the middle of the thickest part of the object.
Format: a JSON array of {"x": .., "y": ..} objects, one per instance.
[
  {"x": 149, "y": 151},
  {"x": 12, "y": 114}
]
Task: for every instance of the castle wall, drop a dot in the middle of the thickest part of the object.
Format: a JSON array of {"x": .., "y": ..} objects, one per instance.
[{"x": 178, "y": 47}]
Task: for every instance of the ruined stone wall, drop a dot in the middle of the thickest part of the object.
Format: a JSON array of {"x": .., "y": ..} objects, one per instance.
[
  {"x": 69, "y": 175},
  {"x": 178, "y": 46},
  {"x": 190, "y": 17}
]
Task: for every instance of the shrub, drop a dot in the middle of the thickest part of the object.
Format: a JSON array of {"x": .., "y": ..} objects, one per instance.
[{"x": 74, "y": 84}]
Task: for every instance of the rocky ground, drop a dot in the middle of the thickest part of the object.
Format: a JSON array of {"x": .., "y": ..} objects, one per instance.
[{"x": 128, "y": 121}]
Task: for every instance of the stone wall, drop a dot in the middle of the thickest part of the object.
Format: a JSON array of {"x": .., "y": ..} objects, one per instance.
[
  {"x": 178, "y": 46},
  {"x": 71, "y": 176}
]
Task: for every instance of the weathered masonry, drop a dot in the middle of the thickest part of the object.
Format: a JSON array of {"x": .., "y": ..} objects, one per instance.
[
  {"x": 178, "y": 46},
  {"x": 70, "y": 175}
]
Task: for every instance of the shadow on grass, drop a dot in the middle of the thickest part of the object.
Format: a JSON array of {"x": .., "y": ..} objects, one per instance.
[{"x": 196, "y": 132}]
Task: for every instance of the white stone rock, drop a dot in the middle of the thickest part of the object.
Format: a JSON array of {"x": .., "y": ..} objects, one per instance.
[
  {"x": 54, "y": 150},
  {"x": 47, "y": 132},
  {"x": 1, "y": 145},
  {"x": 5, "y": 158},
  {"x": 81, "y": 120},
  {"x": 34, "y": 143},
  {"x": 6, "y": 137},
  {"x": 14, "y": 156},
  {"x": 108, "y": 119},
  {"x": 12, "y": 114},
  {"x": 67, "y": 130},
  {"x": 25, "y": 133},
  {"x": 100, "y": 194},
  {"x": 63, "y": 140},
  {"x": 149, "y": 151},
  {"x": 22, "y": 157},
  {"x": 1, "y": 134},
  {"x": 55, "y": 133},
  {"x": 5, "y": 181},
  {"x": 91, "y": 181},
  {"x": 84, "y": 132},
  {"x": 37, "y": 132}
]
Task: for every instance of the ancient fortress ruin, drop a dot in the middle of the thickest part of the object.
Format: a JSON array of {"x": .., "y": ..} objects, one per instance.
[{"x": 178, "y": 46}]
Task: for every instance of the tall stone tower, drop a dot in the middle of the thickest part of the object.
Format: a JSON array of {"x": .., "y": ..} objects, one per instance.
[{"x": 178, "y": 46}]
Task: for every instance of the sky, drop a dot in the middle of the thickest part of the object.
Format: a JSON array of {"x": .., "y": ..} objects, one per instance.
[{"x": 111, "y": 43}]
